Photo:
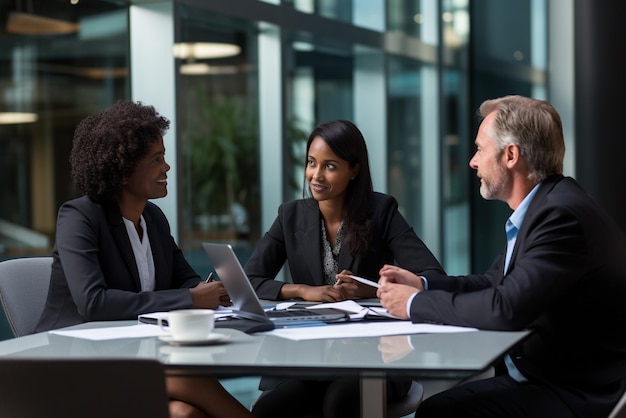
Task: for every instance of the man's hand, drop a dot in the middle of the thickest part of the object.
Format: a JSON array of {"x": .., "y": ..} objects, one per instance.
[
  {"x": 394, "y": 297},
  {"x": 395, "y": 274}
]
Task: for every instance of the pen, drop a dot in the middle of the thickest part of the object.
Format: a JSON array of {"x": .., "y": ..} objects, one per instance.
[{"x": 209, "y": 279}]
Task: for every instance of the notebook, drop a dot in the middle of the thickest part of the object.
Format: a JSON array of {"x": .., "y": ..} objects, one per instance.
[{"x": 246, "y": 303}]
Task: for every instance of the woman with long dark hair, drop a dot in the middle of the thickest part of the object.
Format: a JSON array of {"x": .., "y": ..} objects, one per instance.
[{"x": 340, "y": 227}]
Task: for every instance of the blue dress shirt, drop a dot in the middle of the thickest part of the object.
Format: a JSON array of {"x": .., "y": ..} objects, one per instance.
[{"x": 512, "y": 226}]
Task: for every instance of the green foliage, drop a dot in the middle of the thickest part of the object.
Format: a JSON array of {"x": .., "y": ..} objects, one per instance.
[{"x": 222, "y": 156}]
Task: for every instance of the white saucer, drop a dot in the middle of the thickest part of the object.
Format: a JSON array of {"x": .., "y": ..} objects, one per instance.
[{"x": 214, "y": 338}]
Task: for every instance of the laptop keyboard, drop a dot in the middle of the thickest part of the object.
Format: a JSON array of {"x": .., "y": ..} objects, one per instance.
[{"x": 287, "y": 313}]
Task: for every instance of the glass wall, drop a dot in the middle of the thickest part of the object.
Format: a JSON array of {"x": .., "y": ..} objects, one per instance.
[
  {"x": 399, "y": 69},
  {"x": 59, "y": 63},
  {"x": 319, "y": 86},
  {"x": 218, "y": 132},
  {"x": 509, "y": 42},
  {"x": 332, "y": 60},
  {"x": 456, "y": 138}
]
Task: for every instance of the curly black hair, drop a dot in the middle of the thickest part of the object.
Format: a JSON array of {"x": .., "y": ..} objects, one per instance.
[{"x": 108, "y": 145}]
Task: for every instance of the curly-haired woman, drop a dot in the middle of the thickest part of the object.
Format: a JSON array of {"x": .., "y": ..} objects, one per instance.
[{"x": 114, "y": 257}]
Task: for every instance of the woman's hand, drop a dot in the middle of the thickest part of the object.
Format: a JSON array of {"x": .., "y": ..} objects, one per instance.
[
  {"x": 327, "y": 294},
  {"x": 209, "y": 295},
  {"x": 353, "y": 289}
]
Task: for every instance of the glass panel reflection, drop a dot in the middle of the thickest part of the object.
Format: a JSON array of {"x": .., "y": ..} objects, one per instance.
[
  {"x": 319, "y": 87},
  {"x": 61, "y": 63},
  {"x": 404, "y": 141},
  {"x": 457, "y": 140},
  {"x": 217, "y": 109}
]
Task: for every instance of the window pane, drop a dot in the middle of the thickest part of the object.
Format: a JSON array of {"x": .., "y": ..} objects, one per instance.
[
  {"x": 405, "y": 141},
  {"x": 217, "y": 110},
  {"x": 457, "y": 140},
  {"x": 368, "y": 14},
  {"x": 319, "y": 87},
  {"x": 61, "y": 77}
]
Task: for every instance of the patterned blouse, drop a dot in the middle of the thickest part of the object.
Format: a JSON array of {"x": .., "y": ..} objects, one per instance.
[{"x": 330, "y": 254}]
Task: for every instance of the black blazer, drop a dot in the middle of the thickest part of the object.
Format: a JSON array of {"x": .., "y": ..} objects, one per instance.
[
  {"x": 295, "y": 237},
  {"x": 94, "y": 272},
  {"x": 566, "y": 281}
]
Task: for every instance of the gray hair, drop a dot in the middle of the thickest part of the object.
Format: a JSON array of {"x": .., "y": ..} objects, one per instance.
[{"x": 534, "y": 126}]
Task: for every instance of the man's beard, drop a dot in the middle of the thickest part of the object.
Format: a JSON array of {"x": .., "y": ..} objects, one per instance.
[{"x": 493, "y": 190}]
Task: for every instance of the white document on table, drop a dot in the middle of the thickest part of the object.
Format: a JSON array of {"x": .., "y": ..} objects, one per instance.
[
  {"x": 353, "y": 329},
  {"x": 352, "y": 307},
  {"x": 364, "y": 329},
  {"x": 113, "y": 333}
]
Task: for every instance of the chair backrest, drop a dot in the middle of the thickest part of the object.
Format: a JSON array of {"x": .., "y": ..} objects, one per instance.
[
  {"x": 619, "y": 411},
  {"x": 24, "y": 284},
  {"x": 79, "y": 388},
  {"x": 407, "y": 405}
]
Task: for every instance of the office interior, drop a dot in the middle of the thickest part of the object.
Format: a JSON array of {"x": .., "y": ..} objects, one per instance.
[{"x": 244, "y": 81}]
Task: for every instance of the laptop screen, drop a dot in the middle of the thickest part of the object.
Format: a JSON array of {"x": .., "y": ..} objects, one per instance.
[{"x": 245, "y": 300}]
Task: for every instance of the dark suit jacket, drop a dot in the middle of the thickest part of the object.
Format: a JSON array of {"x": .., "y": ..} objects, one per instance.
[
  {"x": 566, "y": 281},
  {"x": 295, "y": 237},
  {"x": 94, "y": 272}
]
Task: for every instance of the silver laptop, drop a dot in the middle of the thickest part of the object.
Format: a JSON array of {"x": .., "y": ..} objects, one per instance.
[{"x": 246, "y": 303}]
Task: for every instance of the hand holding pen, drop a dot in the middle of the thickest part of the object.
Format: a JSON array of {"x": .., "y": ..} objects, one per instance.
[
  {"x": 224, "y": 299},
  {"x": 209, "y": 293},
  {"x": 352, "y": 288}
]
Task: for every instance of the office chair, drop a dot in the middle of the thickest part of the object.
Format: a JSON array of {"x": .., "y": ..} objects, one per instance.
[
  {"x": 51, "y": 388},
  {"x": 619, "y": 411},
  {"x": 408, "y": 404},
  {"x": 24, "y": 284}
]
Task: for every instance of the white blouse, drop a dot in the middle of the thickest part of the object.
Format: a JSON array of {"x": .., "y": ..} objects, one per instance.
[{"x": 143, "y": 254}]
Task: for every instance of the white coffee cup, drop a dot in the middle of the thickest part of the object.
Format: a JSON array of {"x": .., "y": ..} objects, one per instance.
[{"x": 189, "y": 324}]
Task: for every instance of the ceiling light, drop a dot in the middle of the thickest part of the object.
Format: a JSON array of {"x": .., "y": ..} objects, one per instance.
[
  {"x": 205, "y": 50},
  {"x": 200, "y": 68},
  {"x": 8, "y": 118},
  {"x": 30, "y": 24},
  {"x": 194, "y": 68}
]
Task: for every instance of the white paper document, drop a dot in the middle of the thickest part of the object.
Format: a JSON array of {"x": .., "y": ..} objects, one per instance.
[
  {"x": 364, "y": 329},
  {"x": 364, "y": 281},
  {"x": 349, "y": 306},
  {"x": 113, "y": 333},
  {"x": 352, "y": 307}
]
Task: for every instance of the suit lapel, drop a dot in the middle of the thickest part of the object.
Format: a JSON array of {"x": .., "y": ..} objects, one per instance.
[
  {"x": 536, "y": 203},
  {"x": 346, "y": 261},
  {"x": 308, "y": 237},
  {"x": 157, "y": 250},
  {"x": 120, "y": 235}
]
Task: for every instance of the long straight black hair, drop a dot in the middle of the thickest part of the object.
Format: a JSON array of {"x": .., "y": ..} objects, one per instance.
[{"x": 346, "y": 140}]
